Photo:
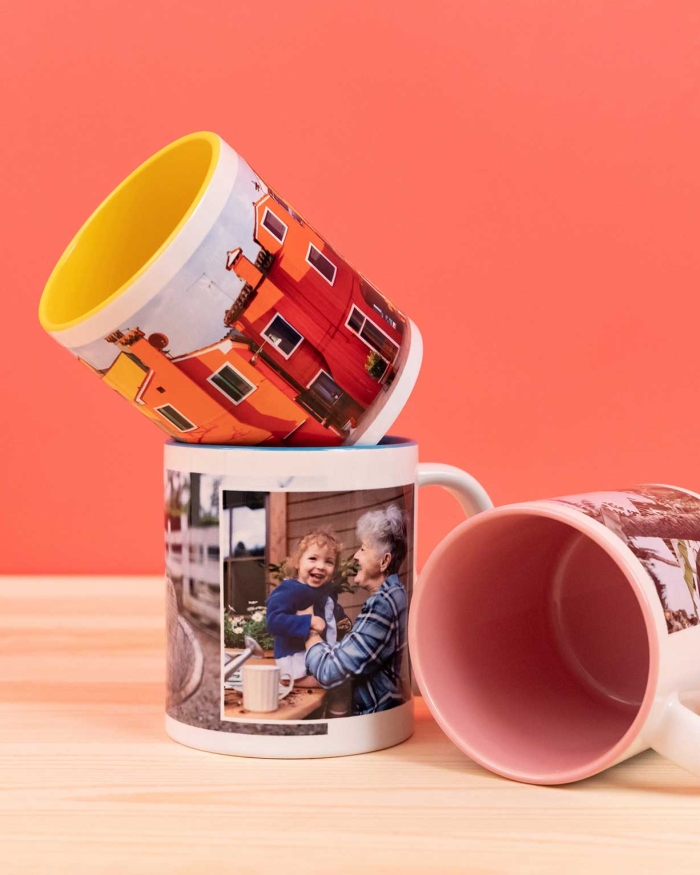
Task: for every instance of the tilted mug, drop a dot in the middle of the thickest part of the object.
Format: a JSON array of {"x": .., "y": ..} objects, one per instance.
[{"x": 202, "y": 297}]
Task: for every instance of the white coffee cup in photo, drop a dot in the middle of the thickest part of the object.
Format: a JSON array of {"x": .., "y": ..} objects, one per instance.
[{"x": 261, "y": 687}]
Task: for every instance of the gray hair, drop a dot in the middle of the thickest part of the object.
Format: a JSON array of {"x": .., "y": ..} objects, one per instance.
[{"x": 386, "y": 532}]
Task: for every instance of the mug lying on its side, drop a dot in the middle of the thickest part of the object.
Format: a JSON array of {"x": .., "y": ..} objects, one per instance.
[
  {"x": 201, "y": 296},
  {"x": 556, "y": 638}
]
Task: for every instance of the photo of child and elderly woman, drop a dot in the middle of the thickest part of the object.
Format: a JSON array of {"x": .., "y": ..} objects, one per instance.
[{"x": 316, "y": 593}]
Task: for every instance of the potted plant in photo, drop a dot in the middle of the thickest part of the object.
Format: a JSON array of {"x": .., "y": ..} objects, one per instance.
[
  {"x": 252, "y": 625},
  {"x": 375, "y": 365}
]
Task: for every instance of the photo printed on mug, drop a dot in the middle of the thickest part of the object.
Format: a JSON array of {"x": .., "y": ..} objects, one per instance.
[
  {"x": 287, "y": 610},
  {"x": 661, "y": 526},
  {"x": 265, "y": 335}
]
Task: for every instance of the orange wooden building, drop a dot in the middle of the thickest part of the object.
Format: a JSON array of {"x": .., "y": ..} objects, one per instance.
[{"x": 219, "y": 394}]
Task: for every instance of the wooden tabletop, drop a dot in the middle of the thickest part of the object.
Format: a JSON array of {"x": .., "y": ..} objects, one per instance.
[{"x": 90, "y": 783}]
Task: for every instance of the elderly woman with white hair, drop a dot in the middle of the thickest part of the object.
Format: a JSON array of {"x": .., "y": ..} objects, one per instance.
[{"x": 374, "y": 653}]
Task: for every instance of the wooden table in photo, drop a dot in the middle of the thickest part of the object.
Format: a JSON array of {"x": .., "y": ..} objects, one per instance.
[
  {"x": 298, "y": 705},
  {"x": 90, "y": 782}
]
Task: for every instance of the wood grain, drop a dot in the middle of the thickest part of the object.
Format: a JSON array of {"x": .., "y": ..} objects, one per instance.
[{"x": 90, "y": 783}]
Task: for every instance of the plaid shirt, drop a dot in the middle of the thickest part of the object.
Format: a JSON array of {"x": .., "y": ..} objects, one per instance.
[{"x": 373, "y": 653}]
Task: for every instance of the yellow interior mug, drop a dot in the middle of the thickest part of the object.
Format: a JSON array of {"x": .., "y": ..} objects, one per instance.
[{"x": 196, "y": 292}]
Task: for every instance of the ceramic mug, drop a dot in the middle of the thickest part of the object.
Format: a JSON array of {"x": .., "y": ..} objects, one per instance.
[
  {"x": 262, "y": 690},
  {"x": 556, "y": 638},
  {"x": 308, "y": 556},
  {"x": 196, "y": 292}
]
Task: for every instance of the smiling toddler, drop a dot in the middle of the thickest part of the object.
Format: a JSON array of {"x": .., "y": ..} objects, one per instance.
[{"x": 314, "y": 563}]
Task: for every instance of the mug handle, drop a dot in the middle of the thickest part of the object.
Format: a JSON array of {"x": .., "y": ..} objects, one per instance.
[
  {"x": 289, "y": 688},
  {"x": 465, "y": 488},
  {"x": 677, "y": 735}
]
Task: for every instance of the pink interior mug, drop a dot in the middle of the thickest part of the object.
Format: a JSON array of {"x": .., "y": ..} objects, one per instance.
[{"x": 556, "y": 638}]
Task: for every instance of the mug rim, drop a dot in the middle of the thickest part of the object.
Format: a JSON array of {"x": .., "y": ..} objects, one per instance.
[
  {"x": 636, "y": 576},
  {"x": 300, "y": 469},
  {"x": 388, "y": 442}
]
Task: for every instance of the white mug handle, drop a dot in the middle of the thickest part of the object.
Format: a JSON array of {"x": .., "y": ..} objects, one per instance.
[
  {"x": 289, "y": 688},
  {"x": 676, "y": 735},
  {"x": 465, "y": 488}
]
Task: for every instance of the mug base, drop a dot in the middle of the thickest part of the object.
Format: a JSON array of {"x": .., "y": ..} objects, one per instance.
[{"x": 345, "y": 736}]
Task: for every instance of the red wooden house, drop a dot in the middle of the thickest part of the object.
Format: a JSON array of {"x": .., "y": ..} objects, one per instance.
[{"x": 332, "y": 336}]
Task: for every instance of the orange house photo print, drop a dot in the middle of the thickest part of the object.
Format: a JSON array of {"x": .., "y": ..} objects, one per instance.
[{"x": 265, "y": 336}]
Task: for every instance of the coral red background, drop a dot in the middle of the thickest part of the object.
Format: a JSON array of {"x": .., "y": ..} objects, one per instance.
[{"x": 522, "y": 178}]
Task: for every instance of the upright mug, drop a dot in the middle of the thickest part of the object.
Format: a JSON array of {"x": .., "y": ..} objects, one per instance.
[
  {"x": 301, "y": 559},
  {"x": 208, "y": 302},
  {"x": 556, "y": 638}
]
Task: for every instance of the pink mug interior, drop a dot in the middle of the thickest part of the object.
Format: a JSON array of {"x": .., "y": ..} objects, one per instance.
[{"x": 534, "y": 646}]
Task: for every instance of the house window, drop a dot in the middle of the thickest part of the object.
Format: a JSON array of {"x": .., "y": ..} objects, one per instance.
[
  {"x": 275, "y": 226},
  {"x": 321, "y": 264},
  {"x": 285, "y": 206},
  {"x": 281, "y": 334},
  {"x": 232, "y": 384},
  {"x": 385, "y": 317},
  {"x": 182, "y": 423},
  {"x": 356, "y": 320},
  {"x": 325, "y": 387},
  {"x": 379, "y": 303},
  {"x": 372, "y": 334}
]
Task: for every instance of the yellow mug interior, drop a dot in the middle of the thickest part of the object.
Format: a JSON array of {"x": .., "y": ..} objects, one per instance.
[{"x": 129, "y": 230}]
